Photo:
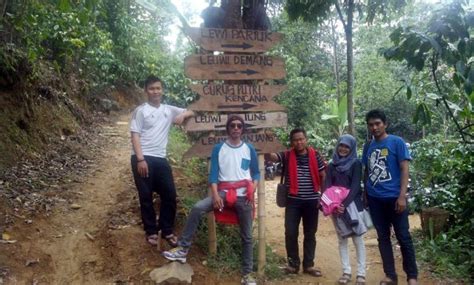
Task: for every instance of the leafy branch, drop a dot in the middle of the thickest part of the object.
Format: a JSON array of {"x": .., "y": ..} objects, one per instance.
[{"x": 460, "y": 129}]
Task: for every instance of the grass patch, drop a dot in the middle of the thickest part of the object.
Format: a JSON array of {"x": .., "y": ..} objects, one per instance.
[
  {"x": 193, "y": 171},
  {"x": 227, "y": 261},
  {"x": 446, "y": 257}
]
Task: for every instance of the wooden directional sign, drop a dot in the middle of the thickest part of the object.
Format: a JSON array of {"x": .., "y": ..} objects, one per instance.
[
  {"x": 235, "y": 40},
  {"x": 264, "y": 142},
  {"x": 234, "y": 67},
  {"x": 237, "y": 97},
  {"x": 209, "y": 122}
]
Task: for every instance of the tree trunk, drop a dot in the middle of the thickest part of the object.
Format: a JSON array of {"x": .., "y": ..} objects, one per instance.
[
  {"x": 233, "y": 10},
  {"x": 3, "y": 8},
  {"x": 350, "y": 68},
  {"x": 336, "y": 63}
]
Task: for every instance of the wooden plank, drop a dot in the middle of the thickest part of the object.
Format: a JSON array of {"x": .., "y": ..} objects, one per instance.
[
  {"x": 264, "y": 142},
  {"x": 233, "y": 40},
  {"x": 209, "y": 122},
  {"x": 234, "y": 67},
  {"x": 237, "y": 97}
]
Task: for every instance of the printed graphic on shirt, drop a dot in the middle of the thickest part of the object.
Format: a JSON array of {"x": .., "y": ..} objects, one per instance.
[{"x": 378, "y": 166}]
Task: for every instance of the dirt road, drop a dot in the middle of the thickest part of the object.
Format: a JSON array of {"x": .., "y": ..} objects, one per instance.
[
  {"x": 327, "y": 254},
  {"x": 94, "y": 236}
]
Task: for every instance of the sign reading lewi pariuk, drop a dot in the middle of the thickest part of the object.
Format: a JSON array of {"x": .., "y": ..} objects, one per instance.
[{"x": 236, "y": 40}]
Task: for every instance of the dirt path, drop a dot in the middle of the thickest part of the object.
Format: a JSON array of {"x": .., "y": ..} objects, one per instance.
[
  {"x": 95, "y": 236},
  {"x": 327, "y": 254}
]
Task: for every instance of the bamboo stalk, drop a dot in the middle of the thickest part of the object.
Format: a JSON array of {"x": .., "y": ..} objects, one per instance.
[
  {"x": 211, "y": 223},
  {"x": 261, "y": 218}
]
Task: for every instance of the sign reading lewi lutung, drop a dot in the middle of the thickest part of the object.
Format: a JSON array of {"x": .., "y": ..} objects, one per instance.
[{"x": 209, "y": 122}]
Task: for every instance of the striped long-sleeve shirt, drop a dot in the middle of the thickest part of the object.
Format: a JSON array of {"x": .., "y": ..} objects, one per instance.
[{"x": 305, "y": 181}]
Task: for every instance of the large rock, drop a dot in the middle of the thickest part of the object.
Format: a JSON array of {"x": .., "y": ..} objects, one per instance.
[{"x": 172, "y": 273}]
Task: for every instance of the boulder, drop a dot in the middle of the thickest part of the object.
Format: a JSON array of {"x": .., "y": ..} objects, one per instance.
[{"x": 172, "y": 273}]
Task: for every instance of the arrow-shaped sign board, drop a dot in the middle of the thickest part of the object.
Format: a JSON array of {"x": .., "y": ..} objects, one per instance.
[
  {"x": 209, "y": 122},
  {"x": 234, "y": 67},
  {"x": 236, "y": 97},
  {"x": 235, "y": 40},
  {"x": 264, "y": 142}
]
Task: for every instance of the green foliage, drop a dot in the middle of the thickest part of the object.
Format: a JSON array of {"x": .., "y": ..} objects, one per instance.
[
  {"x": 195, "y": 169},
  {"x": 377, "y": 83},
  {"x": 446, "y": 47},
  {"x": 449, "y": 255},
  {"x": 337, "y": 115},
  {"x": 104, "y": 41},
  {"x": 443, "y": 176},
  {"x": 303, "y": 100},
  {"x": 318, "y": 11}
]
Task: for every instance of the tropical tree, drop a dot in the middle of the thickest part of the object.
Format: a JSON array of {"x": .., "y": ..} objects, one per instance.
[
  {"x": 318, "y": 11},
  {"x": 446, "y": 50}
]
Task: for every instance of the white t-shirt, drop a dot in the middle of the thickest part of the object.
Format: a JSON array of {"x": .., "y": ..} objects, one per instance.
[
  {"x": 153, "y": 125},
  {"x": 234, "y": 163}
]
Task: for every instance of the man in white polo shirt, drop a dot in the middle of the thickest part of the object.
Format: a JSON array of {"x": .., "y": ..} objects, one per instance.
[{"x": 150, "y": 126}]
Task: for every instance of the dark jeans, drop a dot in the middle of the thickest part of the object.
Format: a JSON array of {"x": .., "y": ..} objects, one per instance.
[
  {"x": 244, "y": 213},
  {"x": 383, "y": 216},
  {"x": 159, "y": 180},
  {"x": 295, "y": 211}
]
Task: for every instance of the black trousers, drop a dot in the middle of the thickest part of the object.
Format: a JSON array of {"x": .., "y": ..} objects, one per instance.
[
  {"x": 295, "y": 211},
  {"x": 159, "y": 180}
]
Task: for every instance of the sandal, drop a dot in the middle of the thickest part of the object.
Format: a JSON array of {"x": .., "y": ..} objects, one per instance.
[
  {"x": 290, "y": 270},
  {"x": 360, "y": 280},
  {"x": 313, "y": 271},
  {"x": 345, "y": 279},
  {"x": 171, "y": 239},
  {"x": 153, "y": 239},
  {"x": 388, "y": 281}
]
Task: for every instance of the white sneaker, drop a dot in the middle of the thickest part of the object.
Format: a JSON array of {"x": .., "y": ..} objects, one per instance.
[
  {"x": 248, "y": 280},
  {"x": 176, "y": 254}
]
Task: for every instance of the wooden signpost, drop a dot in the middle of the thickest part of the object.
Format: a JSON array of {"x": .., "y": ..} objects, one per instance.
[
  {"x": 234, "y": 67},
  {"x": 247, "y": 63},
  {"x": 210, "y": 122},
  {"x": 237, "y": 97},
  {"x": 235, "y": 40}
]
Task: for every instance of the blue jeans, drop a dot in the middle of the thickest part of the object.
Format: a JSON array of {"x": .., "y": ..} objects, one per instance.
[
  {"x": 295, "y": 211},
  {"x": 244, "y": 213},
  {"x": 383, "y": 216},
  {"x": 159, "y": 180}
]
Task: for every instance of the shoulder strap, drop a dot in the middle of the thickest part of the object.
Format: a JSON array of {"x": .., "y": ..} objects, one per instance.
[{"x": 284, "y": 168}]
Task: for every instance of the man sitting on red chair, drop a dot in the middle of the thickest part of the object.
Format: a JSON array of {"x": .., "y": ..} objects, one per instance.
[{"x": 233, "y": 177}]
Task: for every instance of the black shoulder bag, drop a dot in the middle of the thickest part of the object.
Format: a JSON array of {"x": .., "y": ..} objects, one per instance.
[{"x": 282, "y": 189}]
